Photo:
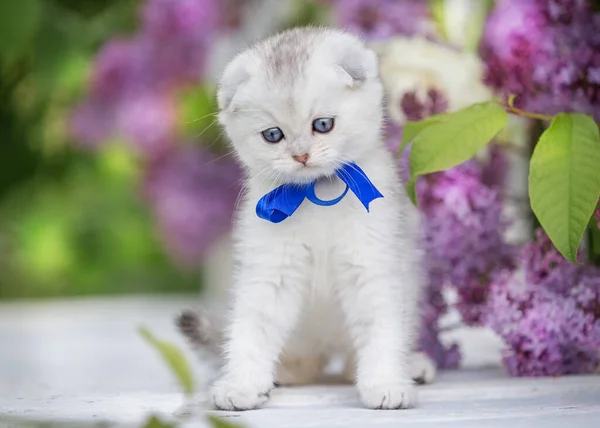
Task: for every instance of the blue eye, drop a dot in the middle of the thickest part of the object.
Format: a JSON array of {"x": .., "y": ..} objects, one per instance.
[
  {"x": 323, "y": 124},
  {"x": 272, "y": 135}
]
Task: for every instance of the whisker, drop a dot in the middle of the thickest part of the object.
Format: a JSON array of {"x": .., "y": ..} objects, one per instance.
[
  {"x": 216, "y": 139},
  {"x": 219, "y": 158},
  {"x": 200, "y": 118},
  {"x": 207, "y": 127}
]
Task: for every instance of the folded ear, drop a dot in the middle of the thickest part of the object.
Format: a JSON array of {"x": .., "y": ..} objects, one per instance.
[
  {"x": 357, "y": 64},
  {"x": 235, "y": 74}
]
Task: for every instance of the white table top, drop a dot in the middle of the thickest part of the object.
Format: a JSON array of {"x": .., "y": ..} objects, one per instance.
[{"x": 82, "y": 363}]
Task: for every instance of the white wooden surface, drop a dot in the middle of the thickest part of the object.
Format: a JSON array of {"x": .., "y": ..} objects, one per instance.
[{"x": 81, "y": 362}]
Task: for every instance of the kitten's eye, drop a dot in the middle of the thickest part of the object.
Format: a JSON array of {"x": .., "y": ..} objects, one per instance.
[
  {"x": 272, "y": 135},
  {"x": 323, "y": 125}
]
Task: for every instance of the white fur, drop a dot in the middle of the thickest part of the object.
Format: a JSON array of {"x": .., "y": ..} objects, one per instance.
[{"x": 326, "y": 280}]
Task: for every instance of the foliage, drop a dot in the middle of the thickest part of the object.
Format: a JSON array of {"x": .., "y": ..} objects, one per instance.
[
  {"x": 564, "y": 185},
  {"x": 71, "y": 223},
  {"x": 443, "y": 141},
  {"x": 174, "y": 359},
  {"x": 156, "y": 422},
  {"x": 216, "y": 422}
]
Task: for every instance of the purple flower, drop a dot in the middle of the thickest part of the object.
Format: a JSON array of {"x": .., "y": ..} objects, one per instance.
[
  {"x": 148, "y": 122},
  {"x": 190, "y": 19},
  {"x": 114, "y": 71},
  {"x": 416, "y": 109},
  {"x": 464, "y": 234},
  {"x": 134, "y": 81},
  {"x": 548, "y": 330},
  {"x": 91, "y": 123},
  {"x": 385, "y": 18},
  {"x": 434, "y": 304},
  {"x": 545, "y": 266},
  {"x": 178, "y": 34},
  {"x": 192, "y": 193},
  {"x": 547, "y": 52}
]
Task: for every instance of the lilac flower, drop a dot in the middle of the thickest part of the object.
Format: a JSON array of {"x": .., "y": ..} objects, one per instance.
[
  {"x": 133, "y": 81},
  {"x": 463, "y": 222},
  {"x": 384, "y": 18},
  {"x": 464, "y": 227},
  {"x": 91, "y": 123},
  {"x": 463, "y": 231},
  {"x": 192, "y": 193},
  {"x": 545, "y": 266},
  {"x": 549, "y": 327},
  {"x": 416, "y": 109},
  {"x": 148, "y": 122},
  {"x": 189, "y": 19},
  {"x": 179, "y": 33},
  {"x": 547, "y": 52},
  {"x": 433, "y": 305},
  {"x": 114, "y": 70}
]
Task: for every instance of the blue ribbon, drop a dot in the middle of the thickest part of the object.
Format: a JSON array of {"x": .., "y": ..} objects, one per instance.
[{"x": 282, "y": 202}]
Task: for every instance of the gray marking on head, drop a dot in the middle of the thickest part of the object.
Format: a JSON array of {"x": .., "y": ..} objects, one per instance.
[{"x": 286, "y": 55}]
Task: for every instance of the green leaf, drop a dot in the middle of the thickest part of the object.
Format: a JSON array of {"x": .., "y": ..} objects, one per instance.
[
  {"x": 411, "y": 129},
  {"x": 564, "y": 181},
  {"x": 220, "y": 423},
  {"x": 174, "y": 359},
  {"x": 455, "y": 138},
  {"x": 19, "y": 20},
  {"x": 155, "y": 422}
]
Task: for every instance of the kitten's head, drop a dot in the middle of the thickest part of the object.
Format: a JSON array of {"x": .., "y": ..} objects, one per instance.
[{"x": 300, "y": 104}]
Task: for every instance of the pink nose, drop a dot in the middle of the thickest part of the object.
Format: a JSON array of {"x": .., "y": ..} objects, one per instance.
[{"x": 302, "y": 159}]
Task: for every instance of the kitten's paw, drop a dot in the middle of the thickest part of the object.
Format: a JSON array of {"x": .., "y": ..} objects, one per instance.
[
  {"x": 388, "y": 396},
  {"x": 228, "y": 394},
  {"x": 422, "y": 368}
]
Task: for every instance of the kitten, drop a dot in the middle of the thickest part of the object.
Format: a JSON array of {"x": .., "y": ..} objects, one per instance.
[{"x": 328, "y": 279}]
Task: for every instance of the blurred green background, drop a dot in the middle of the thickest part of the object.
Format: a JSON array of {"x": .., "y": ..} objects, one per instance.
[{"x": 71, "y": 223}]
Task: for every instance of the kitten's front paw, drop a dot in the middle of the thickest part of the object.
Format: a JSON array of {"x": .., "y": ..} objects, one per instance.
[
  {"x": 228, "y": 394},
  {"x": 388, "y": 396}
]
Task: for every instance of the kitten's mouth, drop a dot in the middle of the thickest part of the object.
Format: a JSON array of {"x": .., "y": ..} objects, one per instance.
[{"x": 309, "y": 173}]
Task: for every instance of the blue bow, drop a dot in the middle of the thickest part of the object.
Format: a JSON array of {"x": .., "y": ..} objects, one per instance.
[{"x": 281, "y": 203}]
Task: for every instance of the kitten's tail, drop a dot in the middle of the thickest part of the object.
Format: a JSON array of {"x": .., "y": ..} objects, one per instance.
[{"x": 201, "y": 334}]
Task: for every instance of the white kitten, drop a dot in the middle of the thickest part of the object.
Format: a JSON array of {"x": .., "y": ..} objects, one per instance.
[{"x": 328, "y": 279}]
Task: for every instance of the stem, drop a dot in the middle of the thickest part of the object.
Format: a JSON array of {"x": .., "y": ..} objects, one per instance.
[
  {"x": 520, "y": 112},
  {"x": 510, "y": 108}
]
